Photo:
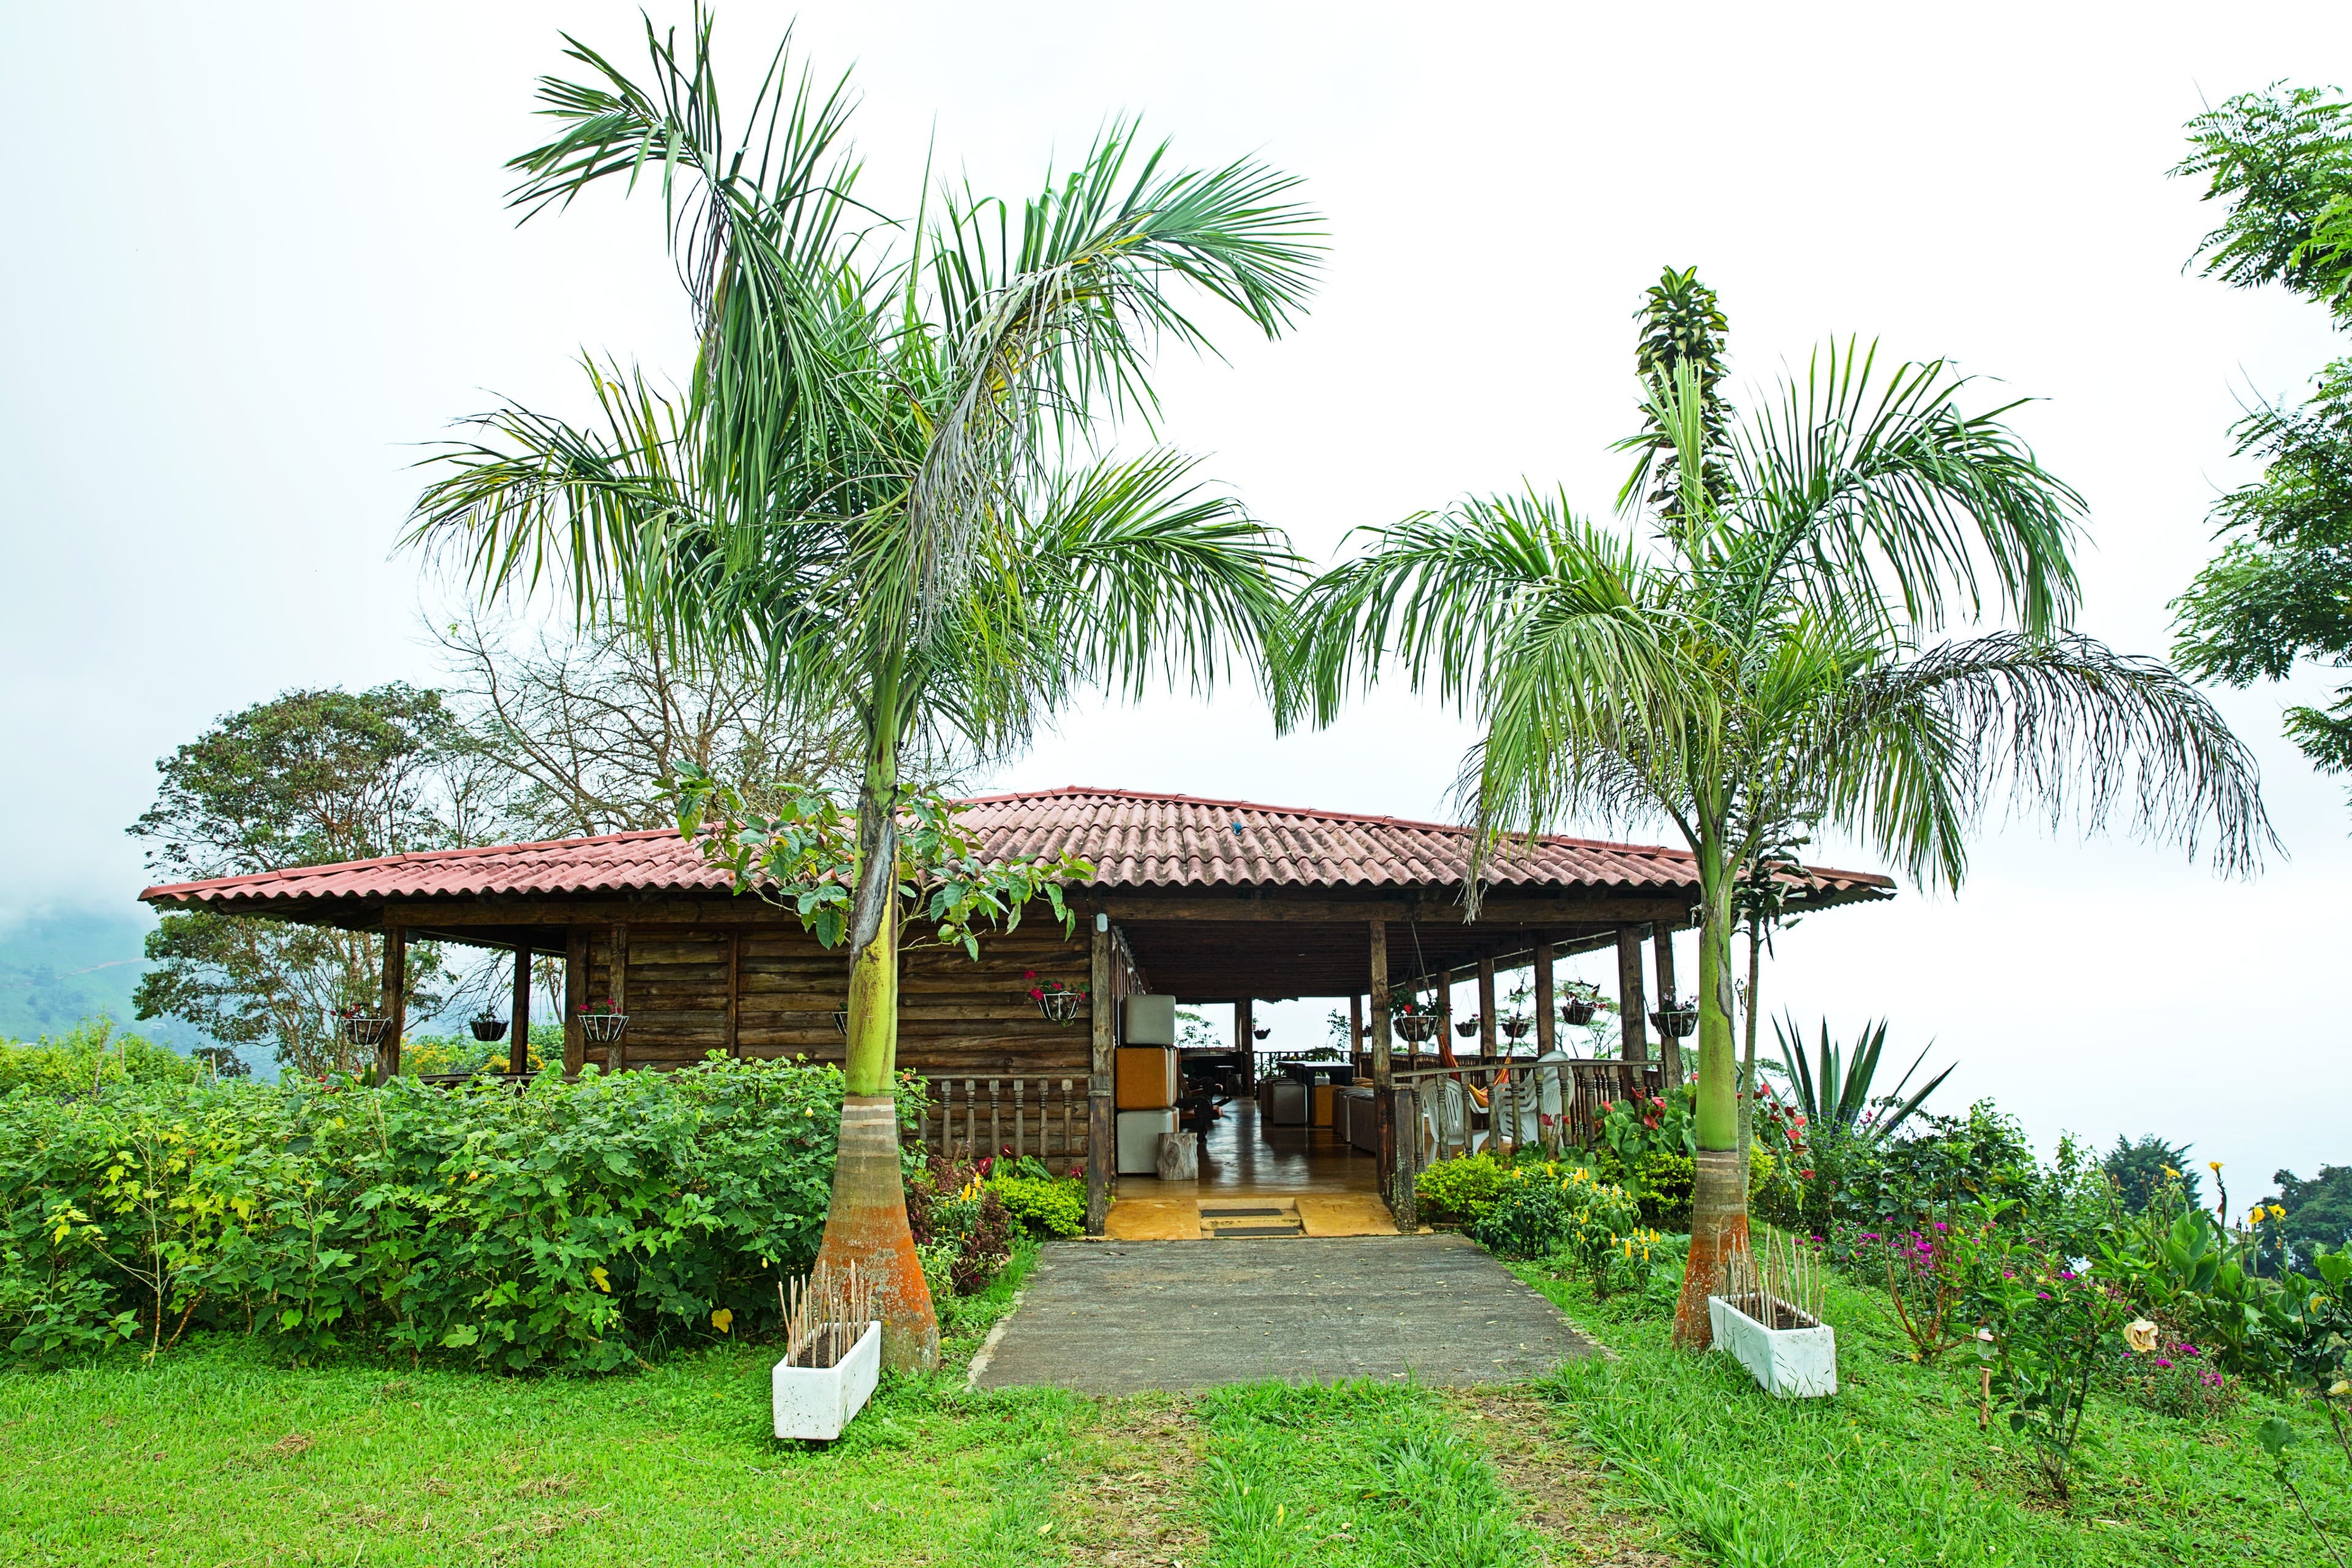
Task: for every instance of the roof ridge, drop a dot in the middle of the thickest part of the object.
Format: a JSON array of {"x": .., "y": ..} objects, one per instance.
[{"x": 1320, "y": 814}]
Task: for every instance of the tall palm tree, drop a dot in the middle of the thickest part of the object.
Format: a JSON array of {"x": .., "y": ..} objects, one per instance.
[
  {"x": 1763, "y": 659},
  {"x": 882, "y": 479}
]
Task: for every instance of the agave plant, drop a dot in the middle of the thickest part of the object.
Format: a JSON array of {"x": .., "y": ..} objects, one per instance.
[{"x": 1836, "y": 1092}]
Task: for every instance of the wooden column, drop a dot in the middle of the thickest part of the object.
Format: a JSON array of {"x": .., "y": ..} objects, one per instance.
[
  {"x": 1445, "y": 1015},
  {"x": 1102, "y": 1119},
  {"x": 619, "y": 971},
  {"x": 1546, "y": 1013},
  {"x": 395, "y": 1001},
  {"x": 1485, "y": 1006},
  {"x": 1246, "y": 1040},
  {"x": 1633, "y": 1012},
  {"x": 1397, "y": 1133},
  {"x": 734, "y": 993},
  {"x": 1669, "y": 1049},
  {"x": 1356, "y": 1031},
  {"x": 575, "y": 996},
  {"x": 519, "y": 1017}
]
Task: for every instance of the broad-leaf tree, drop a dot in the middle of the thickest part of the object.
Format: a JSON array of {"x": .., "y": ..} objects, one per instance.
[
  {"x": 2281, "y": 589},
  {"x": 1763, "y": 656},
  {"x": 883, "y": 479}
]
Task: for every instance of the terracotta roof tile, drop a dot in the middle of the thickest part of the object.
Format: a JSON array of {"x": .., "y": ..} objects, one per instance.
[{"x": 1135, "y": 840}]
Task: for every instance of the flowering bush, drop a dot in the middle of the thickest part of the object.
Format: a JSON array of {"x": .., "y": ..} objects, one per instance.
[
  {"x": 1541, "y": 1208},
  {"x": 2161, "y": 1370},
  {"x": 1460, "y": 1191},
  {"x": 952, "y": 1209},
  {"x": 2051, "y": 1329}
]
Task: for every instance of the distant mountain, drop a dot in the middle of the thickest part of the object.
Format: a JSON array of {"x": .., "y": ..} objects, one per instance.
[{"x": 60, "y": 966}]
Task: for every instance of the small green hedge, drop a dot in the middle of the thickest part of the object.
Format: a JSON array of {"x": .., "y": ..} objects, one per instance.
[
  {"x": 579, "y": 1224},
  {"x": 1045, "y": 1207}
]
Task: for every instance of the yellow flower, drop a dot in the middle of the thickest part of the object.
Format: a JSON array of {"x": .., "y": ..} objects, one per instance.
[
  {"x": 2214, "y": 1166},
  {"x": 722, "y": 1319},
  {"x": 2255, "y": 1215},
  {"x": 2140, "y": 1335},
  {"x": 2277, "y": 1213},
  {"x": 2173, "y": 1173}
]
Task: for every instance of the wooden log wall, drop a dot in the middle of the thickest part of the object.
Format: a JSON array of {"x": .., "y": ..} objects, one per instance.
[{"x": 765, "y": 992}]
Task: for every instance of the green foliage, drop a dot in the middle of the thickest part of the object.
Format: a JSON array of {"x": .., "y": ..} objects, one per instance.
[
  {"x": 1460, "y": 1191},
  {"x": 2141, "y": 1167},
  {"x": 307, "y": 778},
  {"x": 1044, "y": 1208},
  {"x": 2281, "y": 161},
  {"x": 2318, "y": 1215},
  {"x": 2054, "y": 1328},
  {"x": 1837, "y": 1095},
  {"x": 582, "y": 1223},
  {"x": 424, "y": 1055},
  {"x": 1541, "y": 1208},
  {"x": 1665, "y": 1179},
  {"x": 89, "y": 1058},
  {"x": 962, "y": 1226}
]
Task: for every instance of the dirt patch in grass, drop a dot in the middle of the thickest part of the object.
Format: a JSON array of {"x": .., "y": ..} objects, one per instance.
[
  {"x": 1557, "y": 1486},
  {"x": 1134, "y": 1507}
]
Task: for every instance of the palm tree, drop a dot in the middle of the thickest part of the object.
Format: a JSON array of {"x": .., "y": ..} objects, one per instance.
[
  {"x": 881, "y": 480},
  {"x": 1762, "y": 662}
]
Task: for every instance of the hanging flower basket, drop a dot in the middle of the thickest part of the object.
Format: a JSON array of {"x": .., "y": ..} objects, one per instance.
[
  {"x": 1681, "y": 1021},
  {"x": 1576, "y": 1013},
  {"x": 486, "y": 1028},
  {"x": 1261, "y": 1030},
  {"x": 1417, "y": 1029},
  {"x": 602, "y": 1023},
  {"x": 1467, "y": 1027},
  {"x": 364, "y": 1028},
  {"x": 1058, "y": 1000},
  {"x": 1517, "y": 1028}
]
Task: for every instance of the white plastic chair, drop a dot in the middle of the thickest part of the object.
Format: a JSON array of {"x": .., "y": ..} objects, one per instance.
[
  {"x": 1551, "y": 1096},
  {"x": 1453, "y": 1128}
]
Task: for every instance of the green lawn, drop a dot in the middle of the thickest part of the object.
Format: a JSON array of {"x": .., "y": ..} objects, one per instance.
[
  {"x": 1894, "y": 1470},
  {"x": 218, "y": 1456}
]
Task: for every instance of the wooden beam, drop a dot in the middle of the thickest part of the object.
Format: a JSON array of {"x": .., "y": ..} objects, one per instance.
[
  {"x": 1669, "y": 1049},
  {"x": 519, "y": 1015},
  {"x": 575, "y": 996},
  {"x": 1485, "y": 1006},
  {"x": 619, "y": 971},
  {"x": 1546, "y": 1013},
  {"x": 395, "y": 1003},
  {"x": 1102, "y": 1122},
  {"x": 1633, "y": 1011}
]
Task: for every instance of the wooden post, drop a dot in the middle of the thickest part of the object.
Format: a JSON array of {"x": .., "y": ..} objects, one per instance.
[
  {"x": 1102, "y": 1119},
  {"x": 1669, "y": 1049},
  {"x": 1633, "y": 1013},
  {"x": 618, "y": 971},
  {"x": 395, "y": 1001},
  {"x": 1356, "y": 1031},
  {"x": 1445, "y": 1015},
  {"x": 1546, "y": 1015},
  {"x": 1245, "y": 1039},
  {"x": 575, "y": 995},
  {"x": 734, "y": 993},
  {"x": 1396, "y": 1137},
  {"x": 519, "y": 1021},
  {"x": 1486, "y": 1007}
]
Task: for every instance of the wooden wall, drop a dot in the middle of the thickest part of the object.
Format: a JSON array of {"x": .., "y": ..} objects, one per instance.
[{"x": 771, "y": 991}]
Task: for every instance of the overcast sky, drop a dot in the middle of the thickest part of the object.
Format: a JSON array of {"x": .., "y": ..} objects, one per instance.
[{"x": 257, "y": 255}]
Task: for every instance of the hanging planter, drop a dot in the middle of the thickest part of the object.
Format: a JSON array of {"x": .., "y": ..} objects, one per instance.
[
  {"x": 1582, "y": 1001},
  {"x": 364, "y": 1028},
  {"x": 488, "y": 1026},
  {"x": 602, "y": 1023},
  {"x": 1057, "y": 1000},
  {"x": 1417, "y": 1028},
  {"x": 1467, "y": 1027},
  {"x": 1261, "y": 1030},
  {"x": 1679, "y": 1020},
  {"x": 1517, "y": 1028}
]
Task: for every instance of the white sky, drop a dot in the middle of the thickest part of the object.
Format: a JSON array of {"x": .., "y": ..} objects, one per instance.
[{"x": 256, "y": 254}]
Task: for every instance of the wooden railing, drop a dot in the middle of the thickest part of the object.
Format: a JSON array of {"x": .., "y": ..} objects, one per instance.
[
  {"x": 973, "y": 1118},
  {"x": 1513, "y": 1113}
]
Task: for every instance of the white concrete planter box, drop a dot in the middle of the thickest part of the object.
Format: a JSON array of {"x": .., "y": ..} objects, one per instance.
[
  {"x": 1795, "y": 1364},
  {"x": 818, "y": 1401}
]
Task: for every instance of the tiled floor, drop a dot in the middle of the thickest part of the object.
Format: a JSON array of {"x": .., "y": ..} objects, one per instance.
[{"x": 1241, "y": 1159}]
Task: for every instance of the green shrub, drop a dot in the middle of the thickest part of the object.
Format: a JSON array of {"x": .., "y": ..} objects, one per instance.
[
  {"x": 1542, "y": 1209},
  {"x": 1044, "y": 1208},
  {"x": 90, "y": 1057},
  {"x": 1664, "y": 1180},
  {"x": 583, "y": 1223},
  {"x": 1460, "y": 1191}
]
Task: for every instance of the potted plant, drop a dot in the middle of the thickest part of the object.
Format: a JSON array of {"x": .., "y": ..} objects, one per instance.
[
  {"x": 832, "y": 1355},
  {"x": 487, "y": 1026},
  {"x": 362, "y": 1028},
  {"x": 1057, "y": 1000},
  {"x": 1516, "y": 1026},
  {"x": 1466, "y": 1027},
  {"x": 1579, "y": 1000},
  {"x": 1414, "y": 1019},
  {"x": 1768, "y": 1318},
  {"x": 1261, "y": 1030},
  {"x": 602, "y": 1022},
  {"x": 1679, "y": 1020}
]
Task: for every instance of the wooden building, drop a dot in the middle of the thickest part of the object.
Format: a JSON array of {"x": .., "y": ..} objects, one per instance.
[{"x": 1211, "y": 901}]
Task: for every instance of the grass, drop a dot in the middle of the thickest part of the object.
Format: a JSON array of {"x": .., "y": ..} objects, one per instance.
[
  {"x": 219, "y": 1455},
  {"x": 1894, "y": 1468}
]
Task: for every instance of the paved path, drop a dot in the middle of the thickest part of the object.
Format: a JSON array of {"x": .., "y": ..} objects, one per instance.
[{"x": 1125, "y": 1317}]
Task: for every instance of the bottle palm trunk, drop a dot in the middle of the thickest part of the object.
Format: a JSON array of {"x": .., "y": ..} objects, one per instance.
[{"x": 1718, "y": 1190}]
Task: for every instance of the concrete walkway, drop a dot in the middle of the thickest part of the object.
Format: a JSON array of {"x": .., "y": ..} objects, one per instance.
[{"x": 1127, "y": 1317}]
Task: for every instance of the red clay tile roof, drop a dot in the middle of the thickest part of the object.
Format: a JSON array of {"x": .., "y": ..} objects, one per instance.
[{"x": 1134, "y": 839}]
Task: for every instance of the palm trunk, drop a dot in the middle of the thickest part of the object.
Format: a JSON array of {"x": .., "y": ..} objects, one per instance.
[
  {"x": 867, "y": 1223},
  {"x": 1718, "y": 1195},
  {"x": 1748, "y": 1059}
]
